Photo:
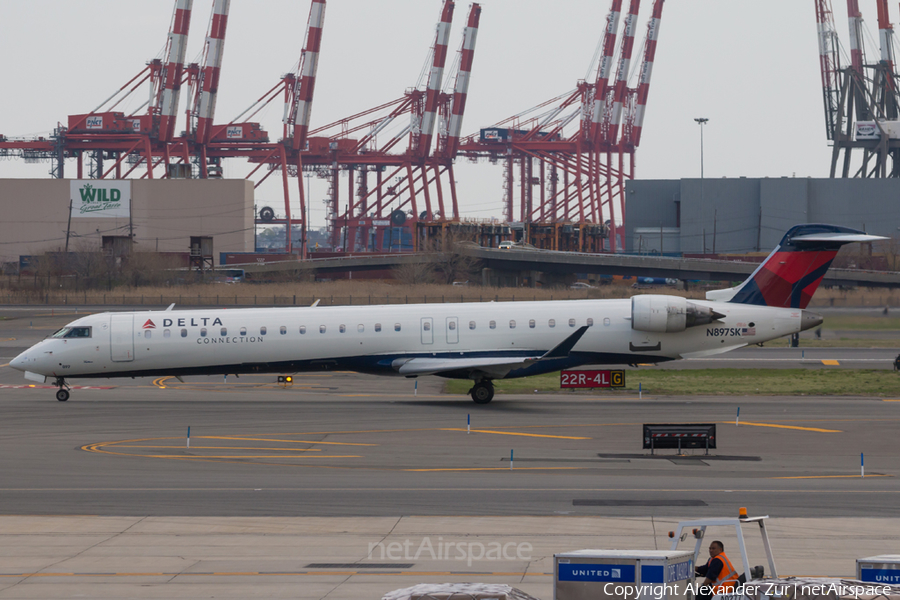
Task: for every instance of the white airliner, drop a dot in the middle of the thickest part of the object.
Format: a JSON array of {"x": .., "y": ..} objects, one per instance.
[{"x": 476, "y": 341}]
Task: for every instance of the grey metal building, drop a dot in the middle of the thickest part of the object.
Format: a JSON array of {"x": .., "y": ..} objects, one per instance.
[{"x": 743, "y": 215}]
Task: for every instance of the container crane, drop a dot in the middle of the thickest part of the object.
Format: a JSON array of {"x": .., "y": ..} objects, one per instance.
[
  {"x": 367, "y": 143},
  {"x": 579, "y": 177},
  {"x": 862, "y": 106}
]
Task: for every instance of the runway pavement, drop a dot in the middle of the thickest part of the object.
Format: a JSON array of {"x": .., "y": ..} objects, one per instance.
[{"x": 101, "y": 495}]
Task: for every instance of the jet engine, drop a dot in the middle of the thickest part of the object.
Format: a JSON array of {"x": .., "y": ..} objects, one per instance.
[{"x": 668, "y": 314}]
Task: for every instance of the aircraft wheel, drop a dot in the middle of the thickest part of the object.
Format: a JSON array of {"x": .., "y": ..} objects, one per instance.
[
  {"x": 483, "y": 392},
  {"x": 62, "y": 395}
]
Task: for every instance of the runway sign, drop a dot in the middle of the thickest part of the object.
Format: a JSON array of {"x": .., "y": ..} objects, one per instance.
[{"x": 591, "y": 379}]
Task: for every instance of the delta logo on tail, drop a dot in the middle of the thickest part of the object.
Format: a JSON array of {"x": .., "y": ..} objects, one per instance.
[{"x": 790, "y": 275}]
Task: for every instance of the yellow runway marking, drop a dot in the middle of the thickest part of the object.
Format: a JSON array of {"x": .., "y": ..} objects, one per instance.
[
  {"x": 787, "y": 427},
  {"x": 891, "y": 400},
  {"x": 243, "y": 456},
  {"x": 499, "y": 469},
  {"x": 537, "y": 435},
  {"x": 229, "y": 448},
  {"x": 247, "y": 439},
  {"x": 833, "y": 476},
  {"x": 831, "y": 362},
  {"x": 6, "y": 365}
]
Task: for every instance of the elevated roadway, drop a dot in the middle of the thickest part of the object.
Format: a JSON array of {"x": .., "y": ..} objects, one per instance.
[{"x": 569, "y": 263}]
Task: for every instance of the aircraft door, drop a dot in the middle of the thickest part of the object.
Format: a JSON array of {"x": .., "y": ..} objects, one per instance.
[
  {"x": 427, "y": 330},
  {"x": 121, "y": 338},
  {"x": 452, "y": 330}
]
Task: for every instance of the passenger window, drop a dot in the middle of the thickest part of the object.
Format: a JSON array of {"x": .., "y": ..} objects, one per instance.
[
  {"x": 531, "y": 323},
  {"x": 167, "y": 333},
  {"x": 452, "y": 325},
  {"x": 360, "y": 328},
  {"x": 552, "y": 322},
  {"x": 184, "y": 333},
  {"x": 396, "y": 326},
  {"x": 243, "y": 331},
  {"x": 606, "y": 321},
  {"x": 202, "y": 332},
  {"x": 321, "y": 329},
  {"x": 147, "y": 333},
  {"x": 262, "y": 331},
  {"x": 342, "y": 329},
  {"x": 426, "y": 326},
  {"x": 302, "y": 329},
  {"x": 377, "y": 327},
  {"x": 571, "y": 322},
  {"x": 590, "y": 322},
  {"x": 471, "y": 324},
  {"x": 493, "y": 324},
  {"x": 512, "y": 324},
  {"x": 224, "y": 331},
  {"x": 283, "y": 330}
]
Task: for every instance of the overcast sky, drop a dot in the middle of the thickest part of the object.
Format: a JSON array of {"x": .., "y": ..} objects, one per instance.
[{"x": 749, "y": 66}]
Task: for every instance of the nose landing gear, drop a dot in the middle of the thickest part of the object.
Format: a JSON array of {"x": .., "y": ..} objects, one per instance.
[
  {"x": 482, "y": 392},
  {"x": 62, "y": 394}
]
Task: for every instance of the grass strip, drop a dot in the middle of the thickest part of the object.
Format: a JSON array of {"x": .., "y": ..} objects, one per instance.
[{"x": 722, "y": 382}]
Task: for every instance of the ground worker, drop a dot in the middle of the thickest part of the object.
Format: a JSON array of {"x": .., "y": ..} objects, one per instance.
[{"x": 721, "y": 576}]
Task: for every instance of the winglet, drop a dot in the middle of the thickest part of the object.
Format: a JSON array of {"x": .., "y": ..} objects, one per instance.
[
  {"x": 171, "y": 306},
  {"x": 562, "y": 349}
]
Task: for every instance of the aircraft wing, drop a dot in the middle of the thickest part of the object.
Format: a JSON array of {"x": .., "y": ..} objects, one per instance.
[{"x": 495, "y": 366}]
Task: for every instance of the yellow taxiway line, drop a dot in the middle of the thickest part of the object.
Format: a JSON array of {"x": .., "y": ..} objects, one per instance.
[
  {"x": 786, "y": 427},
  {"x": 833, "y": 476},
  {"x": 831, "y": 362},
  {"x": 536, "y": 435}
]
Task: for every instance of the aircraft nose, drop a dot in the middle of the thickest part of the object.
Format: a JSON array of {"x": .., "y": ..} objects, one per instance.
[
  {"x": 19, "y": 362},
  {"x": 809, "y": 319}
]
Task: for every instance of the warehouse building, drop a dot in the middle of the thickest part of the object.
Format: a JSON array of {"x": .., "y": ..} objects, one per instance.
[
  {"x": 160, "y": 215},
  {"x": 737, "y": 216}
]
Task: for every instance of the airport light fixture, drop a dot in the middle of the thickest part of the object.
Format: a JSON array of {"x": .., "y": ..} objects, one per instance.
[{"x": 701, "y": 121}]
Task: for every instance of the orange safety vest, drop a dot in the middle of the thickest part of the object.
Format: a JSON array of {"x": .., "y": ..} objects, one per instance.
[{"x": 728, "y": 576}]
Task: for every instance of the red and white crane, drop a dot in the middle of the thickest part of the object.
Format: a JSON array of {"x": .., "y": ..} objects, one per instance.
[
  {"x": 453, "y": 126},
  {"x": 423, "y": 125},
  {"x": 635, "y": 122},
  {"x": 204, "y": 100},
  {"x": 604, "y": 70},
  {"x": 170, "y": 78},
  {"x": 619, "y": 90},
  {"x": 298, "y": 108}
]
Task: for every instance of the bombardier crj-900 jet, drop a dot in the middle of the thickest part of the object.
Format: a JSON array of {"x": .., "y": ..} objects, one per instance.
[{"x": 476, "y": 341}]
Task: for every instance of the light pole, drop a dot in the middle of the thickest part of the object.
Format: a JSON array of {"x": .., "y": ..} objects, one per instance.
[{"x": 701, "y": 121}]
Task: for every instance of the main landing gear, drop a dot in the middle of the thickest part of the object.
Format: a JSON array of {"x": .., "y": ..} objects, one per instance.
[
  {"x": 482, "y": 392},
  {"x": 62, "y": 394}
]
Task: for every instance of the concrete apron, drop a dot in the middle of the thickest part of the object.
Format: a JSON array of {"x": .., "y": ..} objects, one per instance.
[{"x": 311, "y": 557}]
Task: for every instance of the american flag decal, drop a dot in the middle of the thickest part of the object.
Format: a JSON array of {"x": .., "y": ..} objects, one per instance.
[{"x": 748, "y": 330}]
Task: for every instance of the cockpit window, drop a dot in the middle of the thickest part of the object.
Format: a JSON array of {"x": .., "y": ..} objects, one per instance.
[{"x": 73, "y": 332}]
